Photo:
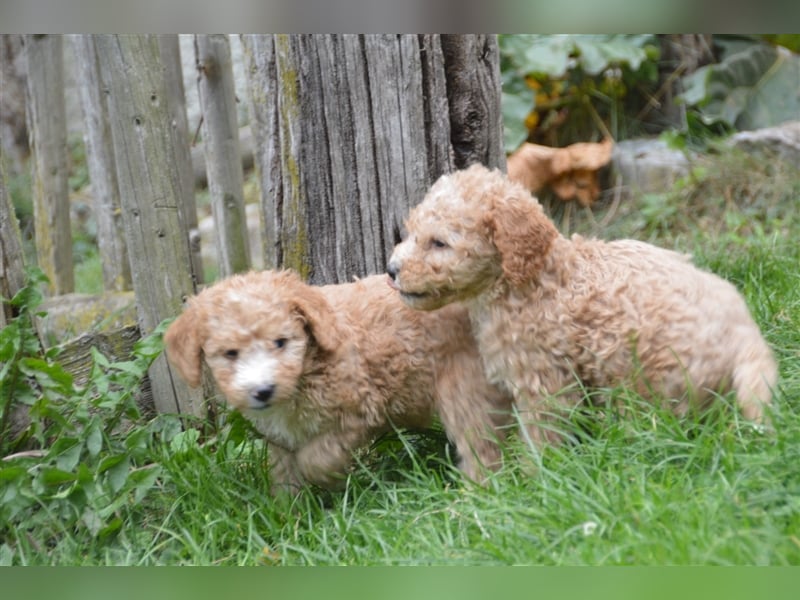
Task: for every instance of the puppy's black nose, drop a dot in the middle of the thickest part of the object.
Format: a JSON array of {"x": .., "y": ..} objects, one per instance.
[
  {"x": 264, "y": 393},
  {"x": 391, "y": 270}
]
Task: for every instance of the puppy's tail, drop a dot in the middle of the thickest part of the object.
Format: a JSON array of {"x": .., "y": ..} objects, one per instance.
[{"x": 754, "y": 380}]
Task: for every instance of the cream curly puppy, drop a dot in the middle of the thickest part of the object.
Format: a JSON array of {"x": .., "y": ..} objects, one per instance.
[
  {"x": 552, "y": 314},
  {"x": 322, "y": 370}
]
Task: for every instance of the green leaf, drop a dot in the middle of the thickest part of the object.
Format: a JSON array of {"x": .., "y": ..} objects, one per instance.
[
  {"x": 99, "y": 358},
  {"x": 11, "y": 473},
  {"x": 94, "y": 437},
  {"x": 70, "y": 457},
  {"x": 92, "y": 521},
  {"x": 8, "y": 495},
  {"x": 6, "y": 555},
  {"x": 113, "y": 526},
  {"x": 166, "y": 427},
  {"x": 30, "y": 296},
  {"x": 548, "y": 55},
  {"x": 597, "y": 53},
  {"x": 184, "y": 441},
  {"x": 51, "y": 476},
  {"x": 137, "y": 440},
  {"x": 108, "y": 462},
  {"x": 554, "y": 55},
  {"x": 515, "y": 111},
  {"x": 118, "y": 474},
  {"x": 9, "y": 341},
  {"x": 142, "y": 481},
  {"x": 130, "y": 367},
  {"x": 150, "y": 346},
  {"x": 752, "y": 88},
  {"x": 48, "y": 375},
  {"x": 84, "y": 474}
]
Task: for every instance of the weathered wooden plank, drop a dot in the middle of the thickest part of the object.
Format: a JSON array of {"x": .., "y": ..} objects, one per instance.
[
  {"x": 398, "y": 118},
  {"x": 259, "y": 57},
  {"x": 221, "y": 146},
  {"x": 150, "y": 193},
  {"x": 13, "y": 129},
  {"x": 74, "y": 324},
  {"x": 48, "y": 134},
  {"x": 472, "y": 70},
  {"x": 12, "y": 258},
  {"x": 199, "y": 159},
  {"x": 12, "y": 279},
  {"x": 350, "y": 132},
  {"x": 170, "y": 51},
  {"x": 102, "y": 169},
  {"x": 71, "y": 315},
  {"x": 75, "y": 356},
  {"x": 438, "y": 144},
  {"x": 291, "y": 195}
]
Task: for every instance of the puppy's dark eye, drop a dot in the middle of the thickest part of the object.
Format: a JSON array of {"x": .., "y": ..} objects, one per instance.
[
  {"x": 280, "y": 342},
  {"x": 437, "y": 243},
  {"x": 231, "y": 354}
]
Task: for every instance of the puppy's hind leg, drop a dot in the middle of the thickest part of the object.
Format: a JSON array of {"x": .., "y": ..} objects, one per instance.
[
  {"x": 754, "y": 380},
  {"x": 543, "y": 416},
  {"x": 475, "y": 416}
]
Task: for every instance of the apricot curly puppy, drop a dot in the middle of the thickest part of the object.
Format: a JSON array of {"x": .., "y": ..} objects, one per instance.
[
  {"x": 322, "y": 370},
  {"x": 548, "y": 311}
]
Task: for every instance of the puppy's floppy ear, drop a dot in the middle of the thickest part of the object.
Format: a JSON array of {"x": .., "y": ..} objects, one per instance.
[
  {"x": 312, "y": 307},
  {"x": 522, "y": 233},
  {"x": 183, "y": 343}
]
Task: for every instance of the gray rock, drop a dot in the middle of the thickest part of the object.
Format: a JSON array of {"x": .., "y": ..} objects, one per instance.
[
  {"x": 648, "y": 165},
  {"x": 781, "y": 142}
]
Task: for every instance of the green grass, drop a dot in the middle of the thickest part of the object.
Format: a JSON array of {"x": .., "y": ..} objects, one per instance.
[{"x": 644, "y": 489}]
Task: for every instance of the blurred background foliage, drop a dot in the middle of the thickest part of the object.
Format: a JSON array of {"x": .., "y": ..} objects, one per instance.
[
  {"x": 690, "y": 89},
  {"x": 561, "y": 89}
]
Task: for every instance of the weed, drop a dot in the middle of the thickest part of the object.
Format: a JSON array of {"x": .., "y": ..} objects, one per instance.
[{"x": 80, "y": 462}]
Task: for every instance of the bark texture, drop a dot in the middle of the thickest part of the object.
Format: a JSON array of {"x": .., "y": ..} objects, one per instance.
[
  {"x": 12, "y": 264},
  {"x": 351, "y": 130},
  {"x": 49, "y": 176},
  {"x": 221, "y": 145},
  {"x": 150, "y": 194},
  {"x": 102, "y": 168}
]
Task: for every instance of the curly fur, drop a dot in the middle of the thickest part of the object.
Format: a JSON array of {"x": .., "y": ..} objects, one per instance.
[
  {"x": 322, "y": 370},
  {"x": 549, "y": 312}
]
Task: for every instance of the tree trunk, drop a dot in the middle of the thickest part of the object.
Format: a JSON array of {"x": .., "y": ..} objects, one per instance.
[
  {"x": 473, "y": 95},
  {"x": 351, "y": 130},
  {"x": 221, "y": 145},
  {"x": 48, "y": 134},
  {"x": 150, "y": 192},
  {"x": 169, "y": 47},
  {"x": 12, "y": 265},
  {"x": 102, "y": 168}
]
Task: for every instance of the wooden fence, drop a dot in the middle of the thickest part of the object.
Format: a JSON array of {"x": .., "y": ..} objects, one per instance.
[{"x": 348, "y": 130}]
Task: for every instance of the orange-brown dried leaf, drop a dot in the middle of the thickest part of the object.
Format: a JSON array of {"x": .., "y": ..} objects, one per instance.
[{"x": 570, "y": 171}]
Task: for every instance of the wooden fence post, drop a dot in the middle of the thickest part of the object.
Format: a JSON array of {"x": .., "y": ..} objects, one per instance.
[
  {"x": 221, "y": 147},
  {"x": 150, "y": 192},
  {"x": 259, "y": 57},
  {"x": 472, "y": 71},
  {"x": 13, "y": 128},
  {"x": 48, "y": 133},
  {"x": 12, "y": 259},
  {"x": 14, "y": 418},
  {"x": 102, "y": 168},
  {"x": 351, "y": 130},
  {"x": 169, "y": 47}
]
